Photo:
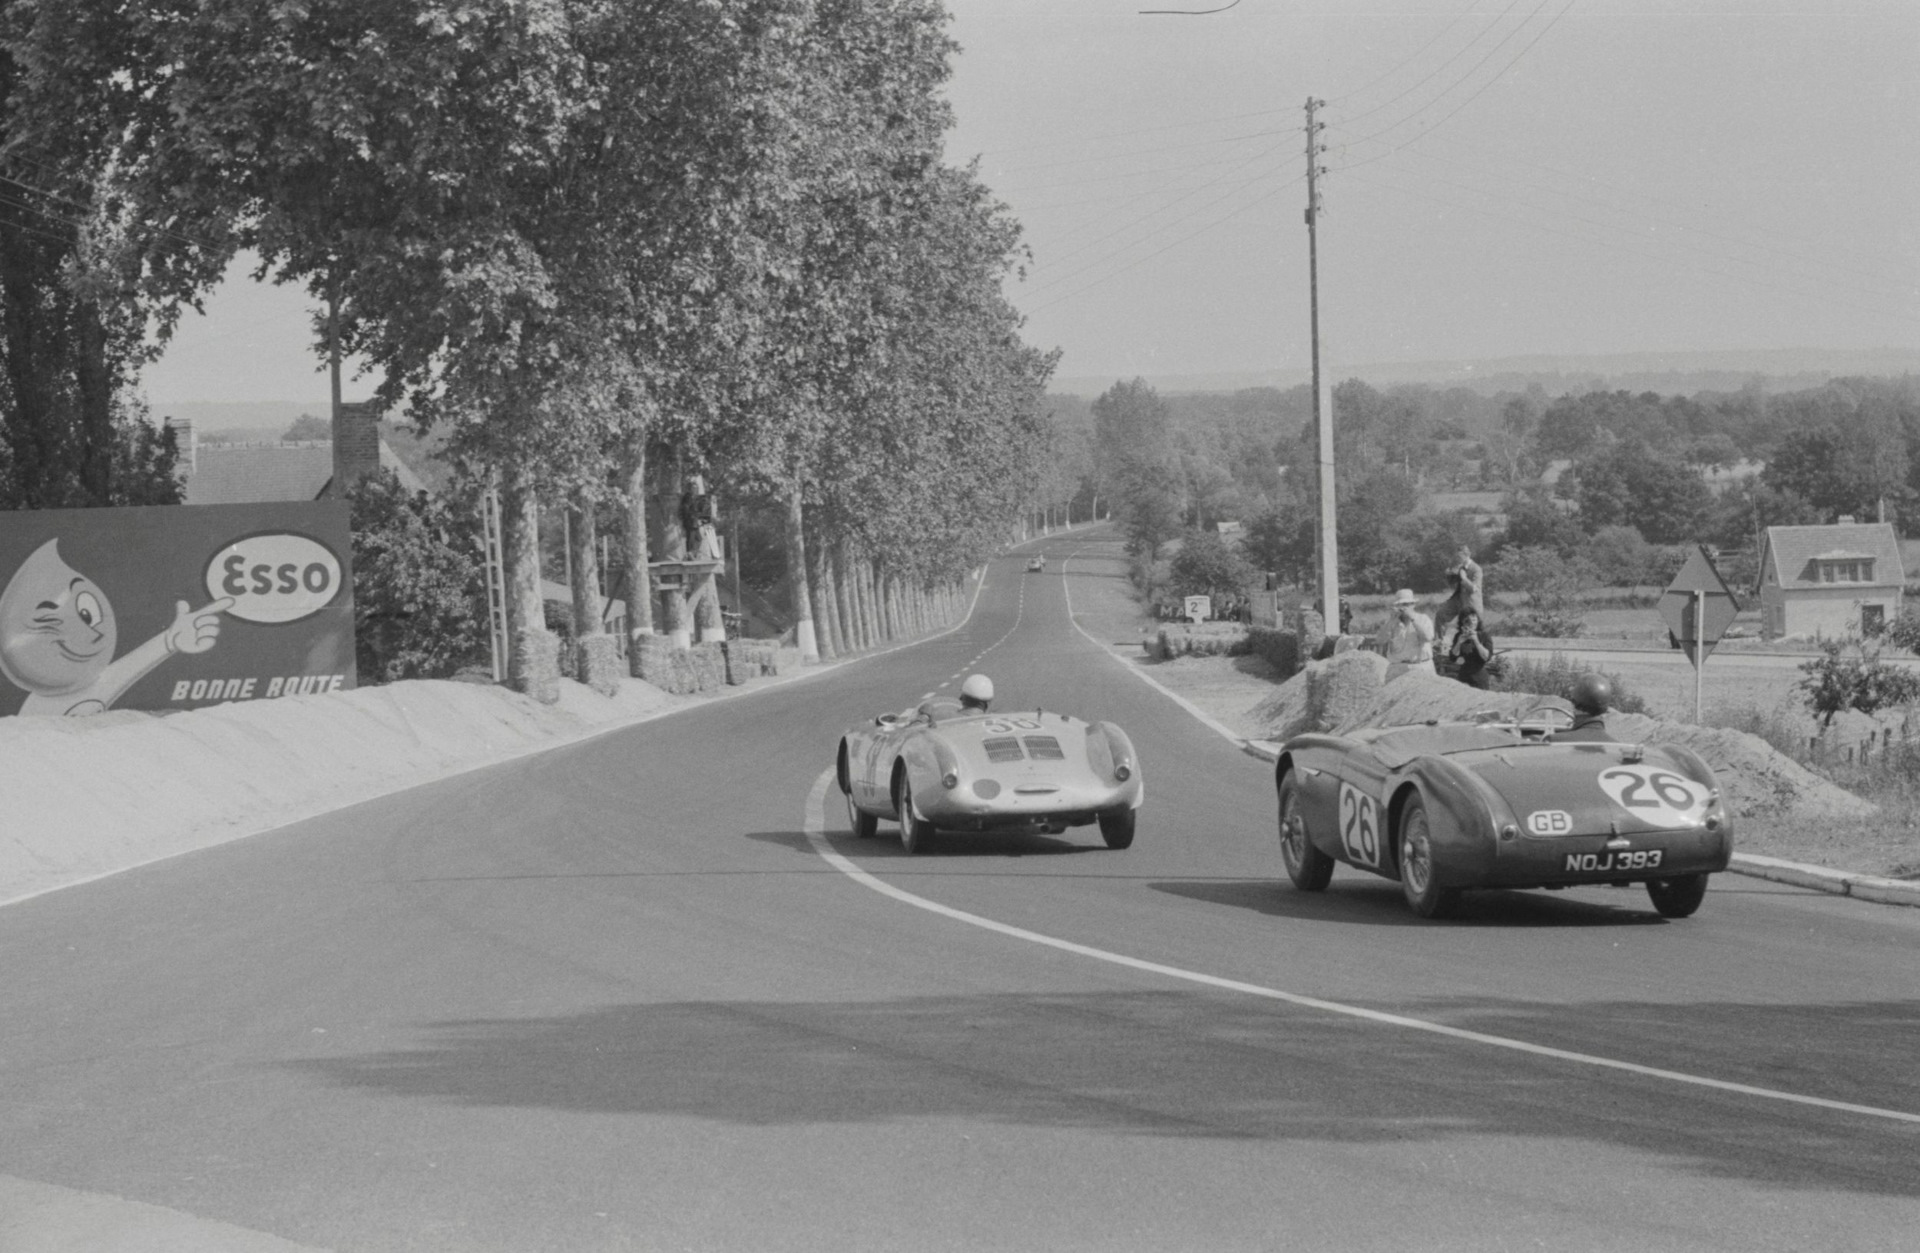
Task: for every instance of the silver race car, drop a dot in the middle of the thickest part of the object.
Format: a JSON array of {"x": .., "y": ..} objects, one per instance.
[{"x": 940, "y": 767}]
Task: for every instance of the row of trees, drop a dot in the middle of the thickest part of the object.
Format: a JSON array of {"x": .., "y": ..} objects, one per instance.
[
  {"x": 1627, "y": 485},
  {"x": 581, "y": 239}
]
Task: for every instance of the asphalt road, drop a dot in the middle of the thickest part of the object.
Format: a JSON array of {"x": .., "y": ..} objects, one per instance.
[{"x": 646, "y": 992}]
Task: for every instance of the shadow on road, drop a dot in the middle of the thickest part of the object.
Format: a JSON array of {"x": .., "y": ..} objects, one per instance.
[
  {"x": 886, "y": 845},
  {"x": 1210, "y": 1065},
  {"x": 1377, "y": 903}
]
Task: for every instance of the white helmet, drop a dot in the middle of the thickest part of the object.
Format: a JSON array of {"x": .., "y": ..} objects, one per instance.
[{"x": 978, "y": 688}]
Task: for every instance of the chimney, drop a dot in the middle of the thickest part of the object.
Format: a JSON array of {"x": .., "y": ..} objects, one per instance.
[
  {"x": 1845, "y": 519},
  {"x": 184, "y": 441},
  {"x": 356, "y": 445}
]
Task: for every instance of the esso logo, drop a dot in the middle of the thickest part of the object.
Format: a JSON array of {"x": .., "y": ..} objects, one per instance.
[{"x": 274, "y": 578}]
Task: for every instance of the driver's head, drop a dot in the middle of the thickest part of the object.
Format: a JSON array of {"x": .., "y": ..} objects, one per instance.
[
  {"x": 976, "y": 692},
  {"x": 1592, "y": 694}
]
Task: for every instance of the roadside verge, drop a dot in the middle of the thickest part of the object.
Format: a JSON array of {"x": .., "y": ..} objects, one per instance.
[{"x": 1866, "y": 887}]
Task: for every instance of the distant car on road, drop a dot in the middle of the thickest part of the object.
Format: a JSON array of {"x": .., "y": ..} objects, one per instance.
[
  {"x": 937, "y": 768},
  {"x": 1499, "y": 803},
  {"x": 1036, "y": 564}
]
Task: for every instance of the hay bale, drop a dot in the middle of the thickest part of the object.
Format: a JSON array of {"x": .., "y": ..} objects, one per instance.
[
  {"x": 598, "y": 664},
  {"x": 1342, "y": 687}
]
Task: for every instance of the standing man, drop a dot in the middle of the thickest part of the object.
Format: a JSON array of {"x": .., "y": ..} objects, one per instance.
[
  {"x": 1464, "y": 584},
  {"x": 1407, "y": 638}
]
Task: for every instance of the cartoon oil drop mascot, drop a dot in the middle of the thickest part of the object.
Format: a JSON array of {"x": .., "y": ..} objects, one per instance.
[{"x": 57, "y": 638}]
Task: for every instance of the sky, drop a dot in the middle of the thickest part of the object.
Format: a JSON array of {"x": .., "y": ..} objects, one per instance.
[{"x": 1503, "y": 178}]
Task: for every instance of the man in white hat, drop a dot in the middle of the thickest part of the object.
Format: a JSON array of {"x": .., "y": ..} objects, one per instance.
[{"x": 1407, "y": 638}]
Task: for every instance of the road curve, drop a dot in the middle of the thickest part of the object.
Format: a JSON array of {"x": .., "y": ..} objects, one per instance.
[{"x": 615, "y": 997}]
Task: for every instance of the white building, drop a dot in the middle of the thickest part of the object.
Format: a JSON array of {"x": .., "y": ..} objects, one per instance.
[{"x": 1844, "y": 579}]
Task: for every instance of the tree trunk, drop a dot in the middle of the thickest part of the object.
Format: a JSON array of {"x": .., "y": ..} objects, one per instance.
[
  {"x": 820, "y": 586},
  {"x": 863, "y": 602},
  {"x": 803, "y": 635},
  {"x": 639, "y": 585},
  {"x": 674, "y": 619},
  {"x": 583, "y": 538},
  {"x": 531, "y": 659},
  {"x": 843, "y": 599},
  {"x": 95, "y": 386}
]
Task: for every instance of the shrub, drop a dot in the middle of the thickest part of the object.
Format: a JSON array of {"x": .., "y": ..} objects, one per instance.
[
  {"x": 1172, "y": 642},
  {"x": 1836, "y": 683},
  {"x": 1278, "y": 648},
  {"x": 1556, "y": 676},
  {"x": 419, "y": 589}
]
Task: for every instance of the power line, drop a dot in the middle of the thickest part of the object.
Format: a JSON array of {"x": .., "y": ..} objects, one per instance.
[{"x": 1498, "y": 75}]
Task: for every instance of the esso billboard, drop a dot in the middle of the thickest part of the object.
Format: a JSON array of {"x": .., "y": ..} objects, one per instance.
[
  {"x": 173, "y": 607},
  {"x": 274, "y": 578}
]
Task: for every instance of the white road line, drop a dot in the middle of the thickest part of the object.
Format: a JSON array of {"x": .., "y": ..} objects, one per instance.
[{"x": 816, "y": 835}]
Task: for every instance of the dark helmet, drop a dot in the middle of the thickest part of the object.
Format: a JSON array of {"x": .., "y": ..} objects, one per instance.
[{"x": 1592, "y": 693}]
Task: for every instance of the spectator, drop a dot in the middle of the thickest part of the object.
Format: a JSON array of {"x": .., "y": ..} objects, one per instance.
[
  {"x": 1464, "y": 581},
  {"x": 1406, "y": 639},
  {"x": 1472, "y": 650}
]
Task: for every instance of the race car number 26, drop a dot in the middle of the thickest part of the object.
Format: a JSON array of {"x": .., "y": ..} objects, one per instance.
[
  {"x": 1359, "y": 826},
  {"x": 1655, "y": 796}
]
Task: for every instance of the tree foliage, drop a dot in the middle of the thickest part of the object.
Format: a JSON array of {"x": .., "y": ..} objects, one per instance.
[
  {"x": 419, "y": 589},
  {"x": 1207, "y": 565},
  {"x": 1855, "y": 677}
]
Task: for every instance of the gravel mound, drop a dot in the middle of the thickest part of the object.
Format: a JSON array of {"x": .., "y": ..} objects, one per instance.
[{"x": 1347, "y": 692}]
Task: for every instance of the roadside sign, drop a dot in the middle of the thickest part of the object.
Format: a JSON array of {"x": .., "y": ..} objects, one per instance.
[
  {"x": 1698, "y": 606},
  {"x": 1199, "y": 608},
  {"x": 168, "y": 607}
]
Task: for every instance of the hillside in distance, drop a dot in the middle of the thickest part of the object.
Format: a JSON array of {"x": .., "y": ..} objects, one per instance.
[{"x": 1669, "y": 373}]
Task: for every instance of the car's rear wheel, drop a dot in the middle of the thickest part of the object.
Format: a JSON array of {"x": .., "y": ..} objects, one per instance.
[
  {"x": 1308, "y": 867},
  {"x": 1679, "y": 896},
  {"x": 1116, "y": 827},
  {"x": 1418, "y": 879},
  {"x": 865, "y": 825},
  {"x": 916, "y": 833}
]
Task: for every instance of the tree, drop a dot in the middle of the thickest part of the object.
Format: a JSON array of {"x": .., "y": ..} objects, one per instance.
[
  {"x": 419, "y": 590},
  {"x": 1551, "y": 584},
  {"x": 1281, "y": 540},
  {"x": 1207, "y": 565},
  {"x": 1629, "y": 485},
  {"x": 1841, "y": 470},
  {"x": 306, "y": 427},
  {"x": 1535, "y": 520}
]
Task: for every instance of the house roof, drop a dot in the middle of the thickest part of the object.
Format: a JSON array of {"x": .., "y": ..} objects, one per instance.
[
  {"x": 238, "y": 474},
  {"x": 1795, "y": 550}
]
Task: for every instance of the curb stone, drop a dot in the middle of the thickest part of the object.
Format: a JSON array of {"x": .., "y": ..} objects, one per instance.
[{"x": 1866, "y": 887}]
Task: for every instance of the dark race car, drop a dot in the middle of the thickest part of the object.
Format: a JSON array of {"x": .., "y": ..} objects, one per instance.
[{"x": 1500, "y": 803}]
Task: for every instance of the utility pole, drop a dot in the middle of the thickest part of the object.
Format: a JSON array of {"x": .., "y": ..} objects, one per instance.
[{"x": 1325, "y": 526}]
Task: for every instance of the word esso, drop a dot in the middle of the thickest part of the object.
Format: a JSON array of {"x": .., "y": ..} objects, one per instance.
[{"x": 274, "y": 579}]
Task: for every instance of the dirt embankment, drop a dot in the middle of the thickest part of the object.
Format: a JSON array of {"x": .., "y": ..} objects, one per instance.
[{"x": 1351, "y": 691}]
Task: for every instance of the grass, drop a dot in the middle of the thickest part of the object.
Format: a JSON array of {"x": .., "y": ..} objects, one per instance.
[{"x": 1556, "y": 676}]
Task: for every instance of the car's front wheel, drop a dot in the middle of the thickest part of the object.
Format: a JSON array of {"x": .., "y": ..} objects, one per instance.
[
  {"x": 865, "y": 825},
  {"x": 1418, "y": 879},
  {"x": 1679, "y": 896},
  {"x": 1116, "y": 827},
  {"x": 916, "y": 833},
  {"x": 1308, "y": 867}
]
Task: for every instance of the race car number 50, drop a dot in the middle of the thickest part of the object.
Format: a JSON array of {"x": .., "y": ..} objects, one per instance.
[{"x": 1659, "y": 797}]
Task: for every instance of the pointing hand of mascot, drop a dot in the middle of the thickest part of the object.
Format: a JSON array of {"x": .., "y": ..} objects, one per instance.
[{"x": 195, "y": 630}]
